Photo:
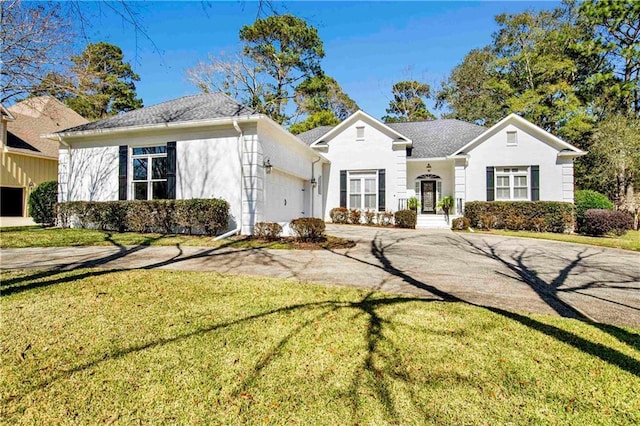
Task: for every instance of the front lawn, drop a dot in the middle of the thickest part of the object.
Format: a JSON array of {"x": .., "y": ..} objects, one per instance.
[
  {"x": 99, "y": 346},
  {"x": 629, "y": 241},
  {"x": 57, "y": 237}
]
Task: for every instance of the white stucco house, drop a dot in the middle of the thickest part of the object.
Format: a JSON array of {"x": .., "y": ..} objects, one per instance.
[
  {"x": 208, "y": 145},
  {"x": 512, "y": 160}
]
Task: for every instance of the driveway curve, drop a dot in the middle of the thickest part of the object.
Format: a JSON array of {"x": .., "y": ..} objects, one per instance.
[{"x": 509, "y": 273}]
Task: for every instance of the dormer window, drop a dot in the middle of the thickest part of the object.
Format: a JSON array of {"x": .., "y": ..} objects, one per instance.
[
  {"x": 512, "y": 139},
  {"x": 360, "y": 133}
]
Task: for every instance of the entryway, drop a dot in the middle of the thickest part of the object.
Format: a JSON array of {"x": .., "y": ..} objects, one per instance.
[{"x": 428, "y": 191}]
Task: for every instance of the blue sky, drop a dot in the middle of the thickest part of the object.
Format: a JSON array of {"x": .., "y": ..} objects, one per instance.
[{"x": 368, "y": 45}]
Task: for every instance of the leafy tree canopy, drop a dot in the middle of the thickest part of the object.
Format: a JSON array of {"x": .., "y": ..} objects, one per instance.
[
  {"x": 323, "y": 93},
  {"x": 101, "y": 83},
  {"x": 278, "y": 53},
  {"x": 319, "y": 118},
  {"x": 408, "y": 102}
]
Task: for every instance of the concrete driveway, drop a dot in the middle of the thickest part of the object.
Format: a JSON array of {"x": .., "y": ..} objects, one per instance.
[{"x": 508, "y": 273}]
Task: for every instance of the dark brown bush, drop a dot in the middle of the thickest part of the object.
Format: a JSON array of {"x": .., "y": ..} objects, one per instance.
[
  {"x": 269, "y": 231},
  {"x": 599, "y": 222},
  {"x": 308, "y": 229}
]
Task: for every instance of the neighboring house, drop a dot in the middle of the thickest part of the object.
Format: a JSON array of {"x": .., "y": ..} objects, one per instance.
[
  {"x": 27, "y": 159},
  {"x": 210, "y": 146},
  {"x": 200, "y": 146},
  {"x": 378, "y": 166}
]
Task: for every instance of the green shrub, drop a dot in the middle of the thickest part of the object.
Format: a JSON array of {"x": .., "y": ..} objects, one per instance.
[
  {"x": 308, "y": 229},
  {"x": 587, "y": 199},
  {"x": 406, "y": 219},
  {"x": 205, "y": 216},
  {"x": 460, "y": 224},
  {"x": 541, "y": 216},
  {"x": 42, "y": 201},
  {"x": 269, "y": 231},
  {"x": 355, "y": 216},
  {"x": 598, "y": 222},
  {"x": 339, "y": 215}
]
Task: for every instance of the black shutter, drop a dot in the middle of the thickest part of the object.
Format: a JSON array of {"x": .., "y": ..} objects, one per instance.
[
  {"x": 123, "y": 167},
  {"x": 171, "y": 170},
  {"x": 535, "y": 183},
  {"x": 382, "y": 184},
  {"x": 343, "y": 188},
  {"x": 490, "y": 184}
]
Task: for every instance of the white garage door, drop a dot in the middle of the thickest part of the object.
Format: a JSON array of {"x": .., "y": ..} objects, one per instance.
[{"x": 284, "y": 197}]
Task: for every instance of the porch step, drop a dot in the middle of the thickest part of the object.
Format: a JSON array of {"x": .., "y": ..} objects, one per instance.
[{"x": 433, "y": 221}]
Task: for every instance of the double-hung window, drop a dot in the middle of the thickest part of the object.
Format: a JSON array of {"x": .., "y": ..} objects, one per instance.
[
  {"x": 512, "y": 183},
  {"x": 149, "y": 173},
  {"x": 363, "y": 190}
]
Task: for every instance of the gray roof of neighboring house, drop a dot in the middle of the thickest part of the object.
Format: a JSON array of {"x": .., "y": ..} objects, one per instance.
[
  {"x": 188, "y": 108},
  {"x": 435, "y": 138}
]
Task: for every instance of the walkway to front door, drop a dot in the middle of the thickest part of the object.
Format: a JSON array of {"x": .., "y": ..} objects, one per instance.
[{"x": 428, "y": 189}]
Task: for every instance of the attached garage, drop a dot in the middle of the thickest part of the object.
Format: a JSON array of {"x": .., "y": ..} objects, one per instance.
[
  {"x": 284, "y": 197},
  {"x": 11, "y": 201}
]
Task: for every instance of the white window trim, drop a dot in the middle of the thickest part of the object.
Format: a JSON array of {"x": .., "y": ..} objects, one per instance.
[
  {"x": 364, "y": 174},
  {"x": 515, "y": 138},
  {"x": 522, "y": 171},
  {"x": 358, "y": 129},
  {"x": 149, "y": 179}
]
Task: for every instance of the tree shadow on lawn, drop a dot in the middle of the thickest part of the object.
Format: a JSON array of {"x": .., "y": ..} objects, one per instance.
[
  {"x": 550, "y": 290},
  {"x": 378, "y": 368}
]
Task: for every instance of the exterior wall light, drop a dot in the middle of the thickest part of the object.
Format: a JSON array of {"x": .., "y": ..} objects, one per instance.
[
  {"x": 267, "y": 166},
  {"x": 313, "y": 183},
  {"x": 428, "y": 167}
]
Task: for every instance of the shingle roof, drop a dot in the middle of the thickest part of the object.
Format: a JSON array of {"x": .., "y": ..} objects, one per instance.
[
  {"x": 34, "y": 117},
  {"x": 435, "y": 138},
  {"x": 188, "y": 108},
  {"x": 310, "y": 136}
]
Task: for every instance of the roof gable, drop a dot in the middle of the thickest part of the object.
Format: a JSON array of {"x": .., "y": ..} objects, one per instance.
[
  {"x": 37, "y": 116},
  {"x": 353, "y": 118},
  {"x": 525, "y": 125}
]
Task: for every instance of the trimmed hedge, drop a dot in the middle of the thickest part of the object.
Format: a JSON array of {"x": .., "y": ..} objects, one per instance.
[
  {"x": 339, "y": 215},
  {"x": 460, "y": 224},
  {"x": 598, "y": 222},
  {"x": 406, "y": 219},
  {"x": 355, "y": 216},
  {"x": 269, "y": 231},
  {"x": 42, "y": 201},
  {"x": 200, "y": 216},
  {"x": 587, "y": 199},
  {"x": 309, "y": 229},
  {"x": 541, "y": 216}
]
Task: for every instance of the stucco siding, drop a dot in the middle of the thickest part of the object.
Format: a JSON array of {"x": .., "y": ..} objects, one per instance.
[
  {"x": 88, "y": 174},
  {"x": 210, "y": 168},
  {"x": 494, "y": 152},
  {"x": 375, "y": 151},
  {"x": 290, "y": 179}
]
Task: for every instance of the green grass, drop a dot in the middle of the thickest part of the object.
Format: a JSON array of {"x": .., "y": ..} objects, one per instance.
[
  {"x": 94, "y": 346},
  {"x": 629, "y": 241},
  {"x": 57, "y": 237}
]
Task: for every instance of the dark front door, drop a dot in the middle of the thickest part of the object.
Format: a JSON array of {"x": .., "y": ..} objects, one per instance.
[{"x": 428, "y": 196}]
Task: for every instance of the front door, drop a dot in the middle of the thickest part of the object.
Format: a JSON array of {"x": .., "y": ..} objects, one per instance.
[{"x": 428, "y": 196}]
